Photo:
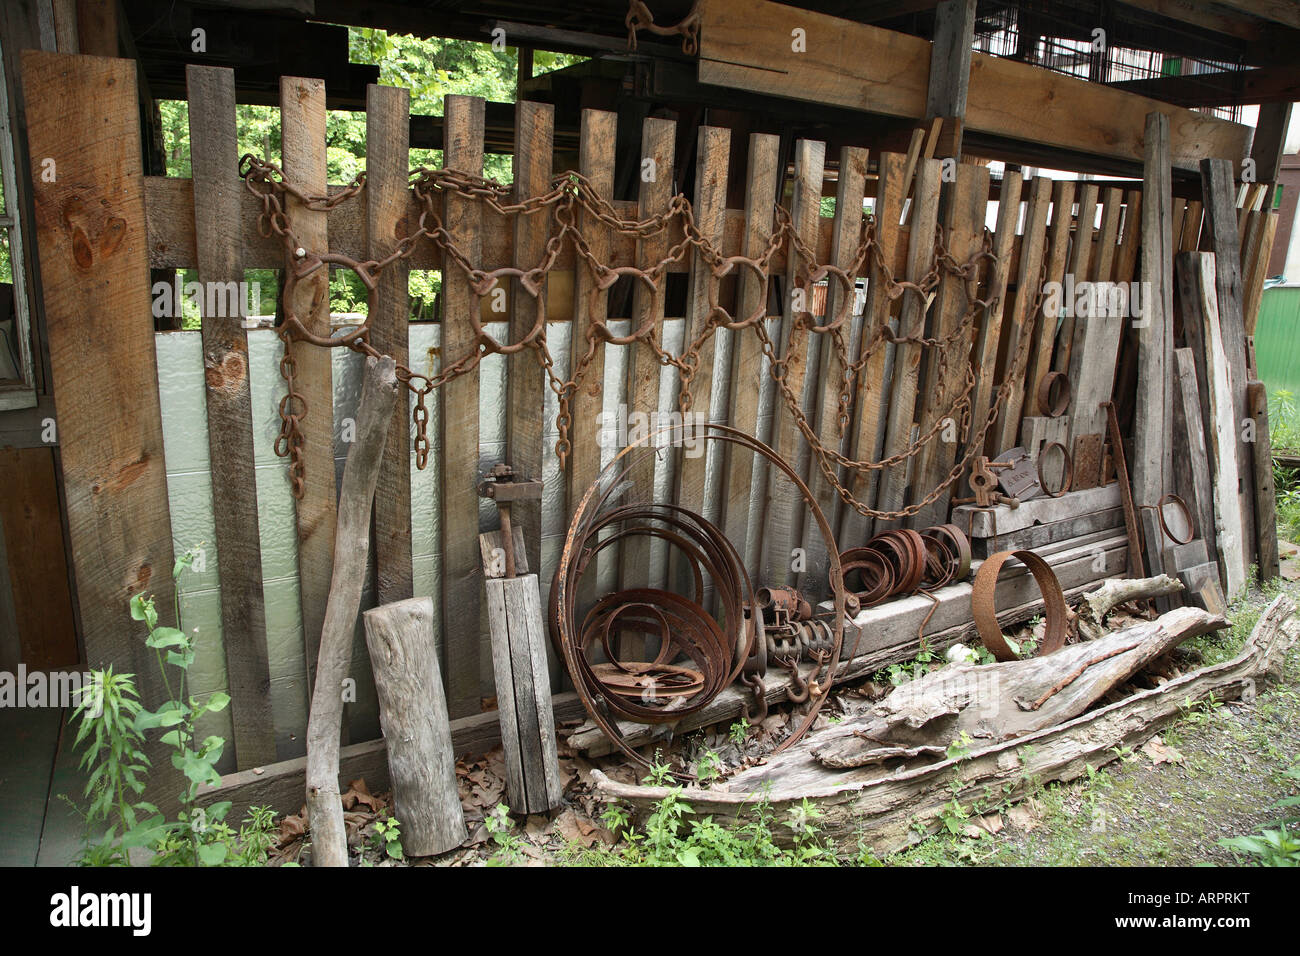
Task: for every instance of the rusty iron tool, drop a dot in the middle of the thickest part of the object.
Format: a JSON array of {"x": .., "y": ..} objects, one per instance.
[
  {"x": 503, "y": 486},
  {"x": 983, "y": 482},
  {"x": 983, "y": 604},
  {"x": 1136, "y": 566}
]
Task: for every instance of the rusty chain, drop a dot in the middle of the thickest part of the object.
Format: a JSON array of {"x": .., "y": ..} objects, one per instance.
[{"x": 569, "y": 193}]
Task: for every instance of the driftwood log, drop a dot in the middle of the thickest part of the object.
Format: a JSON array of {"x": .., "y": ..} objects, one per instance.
[
  {"x": 351, "y": 548},
  {"x": 417, "y": 730},
  {"x": 972, "y": 702},
  {"x": 892, "y": 811},
  {"x": 1110, "y": 594}
]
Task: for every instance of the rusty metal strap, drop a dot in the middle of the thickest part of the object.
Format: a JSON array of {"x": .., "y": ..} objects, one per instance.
[{"x": 983, "y": 602}]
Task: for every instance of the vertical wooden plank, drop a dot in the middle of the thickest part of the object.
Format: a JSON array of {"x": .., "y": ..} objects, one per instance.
[
  {"x": 984, "y": 358},
  {"x": 388, "y": 126},
  {"x": 1261, "y": 231},
  {"x": 713, "y": 152},
  {"x": 590, "y": 306},
  {"x": 1080, "y": 256},
  {"x": 1265, "y": 492},
  {"x": 1029, "y": 283},
  {"x": 1153, "y": 420},
  {"x": 762, "y": 179},
  {"x": 1191, "y": 234},
  {"x": 37, "y": 570},
  {"x": 967, "y": 209},
  {"x": 639, "y": 562},
  {"x": 1103, "y": 259},
  {"x": 907, "y": 356},
  {"x": 1126, "y": 259},
  {"x": 847, "y": 227},
  {"x": 217, "y": 192},
  {"x": 1221, "y": 224},
  {"x": 1192, "y": 476},
  {"x": 461, "y": 571},
  {"x": 954, "y": 32},
  {"x": 785, "y": 510},
  {"x": 82, "y": 113},
  {"x": 1198, "y": 294},
  {"x": 871, "y": 387},
  {"x": 525, "y": 381},
  {"x": 1047, "y": 327},
  {"x": 302, "y": 120}
]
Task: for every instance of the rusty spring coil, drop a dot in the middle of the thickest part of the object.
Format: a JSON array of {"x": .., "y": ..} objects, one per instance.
[
  {"x": 899, "y": 562},
  {"x": 664, "y": 689}
]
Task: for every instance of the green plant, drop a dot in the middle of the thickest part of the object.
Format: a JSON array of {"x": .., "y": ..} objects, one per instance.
[
  {"x": 739, "y": 730},
  {"x": 388, "y": 838},
  {"x": 1280, "y": 847},
  {"x": 960, "y": 747},
  {"x": 499, "y": 827},
  {"x": 708, "y": 767}
]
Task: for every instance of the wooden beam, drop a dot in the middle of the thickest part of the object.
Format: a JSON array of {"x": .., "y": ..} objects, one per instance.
[
  {"x": 1274, "y": 85},
  {"x": 1284, "y": 12},
  {"x": 867, "y": 68},
  {"x": 954, "y": 35},
  {"x": 462, "y": 631},
  {"x": 214, "y": 157},
  {"x": 82, "y": 113},
  {"x": 387, "y": 165},
  {"x": 1270, "y": 138}
]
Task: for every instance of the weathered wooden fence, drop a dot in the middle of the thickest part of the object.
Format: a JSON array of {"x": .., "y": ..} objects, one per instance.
[{"x": 191, "y": 422}]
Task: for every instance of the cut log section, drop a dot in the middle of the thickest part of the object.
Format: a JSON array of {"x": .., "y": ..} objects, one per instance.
[{"x": 417, "y": 730}]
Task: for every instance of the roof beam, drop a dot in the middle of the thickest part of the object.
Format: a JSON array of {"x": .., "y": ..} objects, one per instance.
[{"x": 1271, "y": 84}]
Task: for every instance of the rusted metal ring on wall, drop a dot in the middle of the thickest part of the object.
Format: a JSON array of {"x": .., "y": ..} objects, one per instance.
[
  {"x": 1174, "y": 499},
  {"x": 1054, "y": 394},
  {"x": 949, "y": 555},
  {"x": 1067, "y": 470},
  {"x": 983, "y": 602}
]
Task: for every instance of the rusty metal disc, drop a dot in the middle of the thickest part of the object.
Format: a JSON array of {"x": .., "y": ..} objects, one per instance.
[{"x": 983, "y": 602}]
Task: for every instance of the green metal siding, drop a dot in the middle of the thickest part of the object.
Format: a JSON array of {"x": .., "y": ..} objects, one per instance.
[{"x": 1277, "y": 339}]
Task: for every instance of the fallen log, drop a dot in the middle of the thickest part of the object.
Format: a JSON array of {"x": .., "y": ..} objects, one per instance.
[
  {"x": 351, "y": 548},
  {"x": 889, "y": 813},
  {"x": 1116, "y": 591}
]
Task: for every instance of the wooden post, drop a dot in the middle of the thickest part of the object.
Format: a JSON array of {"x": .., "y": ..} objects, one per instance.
[
  {"x": 1080, "y": 255},
  {"x": 762, "y": 179},
  {"x": 984, "y": 357},
  {"x": 1265, "y": 492},
  {"x": 1221, "y": 224},
  {"x": 417, "y": 730},
  {"x": 1192, "y": 477},
  {"x": 954, "y": 35},
  {"x": 83, "y": 122},
  {"x": 1202, "y": 326},
  {"x": 217, "y": 193},
  {"x": 360, "y": 476},
  {"x": 388, "y": 126},
  {"x": 533, "y": 783},
  {"x": 785, "y": 508},
  {"x": 461, "y": 629},
  {"x": 302, "y": 121},
  {"x": 1045, "y": 332},
  {"x": 1152, "y": 459},
  {"x": 525, "y": 381}
]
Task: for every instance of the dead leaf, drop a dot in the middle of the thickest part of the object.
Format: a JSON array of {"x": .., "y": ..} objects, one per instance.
[
  {"x": 1023, "y": 818},
  {"x": 359, "y": 793},
  {"x": 1160, "y": 752},
  {"x": 574, "y": 829},
  {"x": 992, "y": 823},
  {"x": 972, "y": 831}
]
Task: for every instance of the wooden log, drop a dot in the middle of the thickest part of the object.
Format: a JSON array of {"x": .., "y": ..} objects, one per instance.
[
  {"x": 1221, "y": 224},
  {"x": 762, "y": 181},
  {"x": 525, "y": 380},
  {"x": 417, "y": 730},
  {"x": 945, "y": 375},
  {"x": 82, "y": 112},
  {"x": 1265, "y": 492},
  {"x": 1192, "y": 477},
  {"x": 215, "y": 160},
  {"x": 1201, "y": 324},
  {"x": 1046, "y": 328},
  {"x": 360, "y": 475},
  {"x": 387, "y": 164},
  {"x": 784, "y": 520},
  {"x": 849, "y": 192},
  {"x": 872, "y": 385},
  {"x": 907, "y": 356},
  {"x": 890, "y": 811},
  {"x": 1110, "y": 594},
  {"x": 1151, "y": 464},
  {"x": 461, "y": 627},
  {"x": 533, "y": 783},
  {"x": 302, "y": 121},
  {"x": 641, "y": 561}
]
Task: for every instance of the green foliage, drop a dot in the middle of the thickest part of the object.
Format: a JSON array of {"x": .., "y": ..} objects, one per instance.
[
  {"x": 739, "y": 730},
  {"x": 1277, "y": 844},
  {"x": 708, "y": 767},
  {"x": 509, "y": 846},
  {"x": 113, "y": 724},
  {"x": 1283, "y": 420},
  {"x": 388, "y": 838}
]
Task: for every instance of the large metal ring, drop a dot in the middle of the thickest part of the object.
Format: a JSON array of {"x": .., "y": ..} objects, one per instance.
[
  {"x": 1172, "y": 498},
  {"x": 983, "y": 603},
  {"x": 1067, "y": 471},
  {"x": 1054, "y": 394}
]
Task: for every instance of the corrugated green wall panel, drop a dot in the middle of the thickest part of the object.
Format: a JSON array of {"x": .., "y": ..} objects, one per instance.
[{"x": 1277, "y": 339}]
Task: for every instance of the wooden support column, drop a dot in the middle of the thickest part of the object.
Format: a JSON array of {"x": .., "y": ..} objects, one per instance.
[
  {"x": 1192, "y": 476},
  {"x": 90, "y": 236},
  {"x": 388, "y": 111},
  {"x": 525, "y": 380},
  {"x": 461, "y": 571},
  {"x": 762, "y": 179},
  {"x": 950, "y": 57},
  {"x": 217, "y": 190},
  {"x": 1264, "y": 490},
  {"x": 1270, "y": 141},
  {"x": 1221, "y": 224},
  {"x": 1152, "y": 459},
  {"x": 302, "y": 120},
  {"x": 984, "y": 358}
]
